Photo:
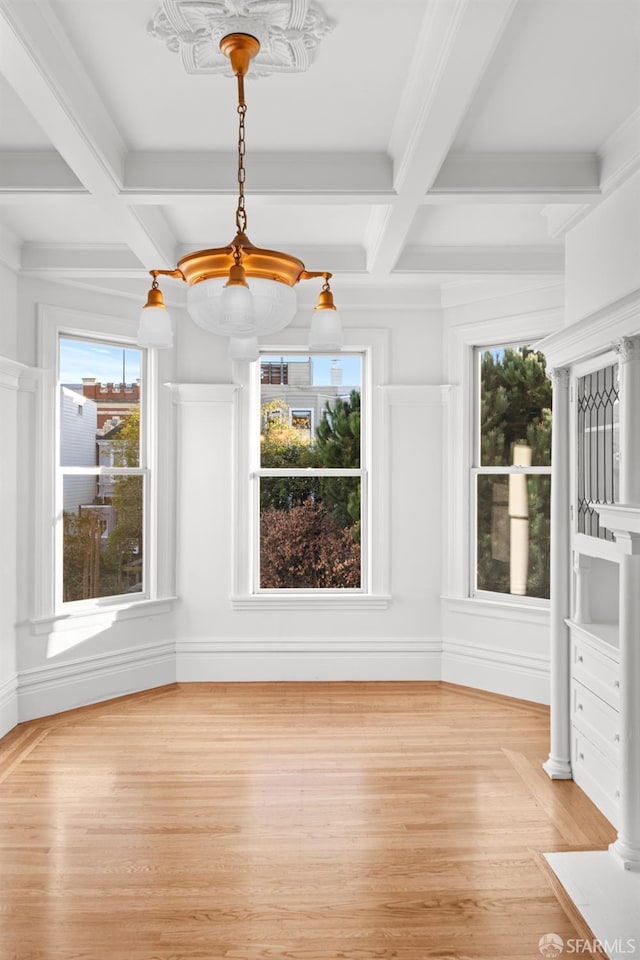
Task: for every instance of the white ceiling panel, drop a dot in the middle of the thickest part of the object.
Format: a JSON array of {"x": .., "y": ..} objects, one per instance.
[
  {"x": 565, "y": 76},
  {"x": 18, "y": 129},
  {"x": 212, "y": 223},
  {"x": 347, "y": 99},
  {"x": 479, "y": 224},
  {"x": 63, "y": 220}
]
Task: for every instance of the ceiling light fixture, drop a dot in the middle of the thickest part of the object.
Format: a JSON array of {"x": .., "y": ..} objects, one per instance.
[{"x": 241, "y": 291}]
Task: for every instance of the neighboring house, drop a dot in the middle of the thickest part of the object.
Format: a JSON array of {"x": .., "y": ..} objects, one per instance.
[
  {"x": 292, "y": 382},
  {"x": 79, "y": 423},
  {"x": 115, "y": 401}
]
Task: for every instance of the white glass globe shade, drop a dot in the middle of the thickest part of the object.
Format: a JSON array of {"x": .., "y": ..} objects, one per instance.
[
  {"x": 236, "y": 305},
  {"x": 244, "y": 349},
  {"x": 155, "y": 328},
  {"x": 274, "y": 307},
  {"x": 325, "y": 333}
]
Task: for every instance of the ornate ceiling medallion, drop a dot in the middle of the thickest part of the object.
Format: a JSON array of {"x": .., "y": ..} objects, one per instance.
[{"x": 288, "y": 32}]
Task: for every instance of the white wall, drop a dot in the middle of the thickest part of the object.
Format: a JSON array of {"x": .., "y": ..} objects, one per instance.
[
  {"x": 9, "y": 383},
  {"x": 63, "y": 663},
  {"x": 496, "y": 645},
  {"x": 204, "y": 636},
  {"x": 219, "y": 640}
]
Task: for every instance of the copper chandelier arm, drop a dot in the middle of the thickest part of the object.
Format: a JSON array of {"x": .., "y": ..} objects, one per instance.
[
  {"x": 177, "y": 274},
  {"x": 314, "y": 274}
]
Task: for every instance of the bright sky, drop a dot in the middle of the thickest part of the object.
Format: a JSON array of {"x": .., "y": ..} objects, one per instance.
[
  {"x": 86, "y": 358},
  {"x": 83, "y": 358}
]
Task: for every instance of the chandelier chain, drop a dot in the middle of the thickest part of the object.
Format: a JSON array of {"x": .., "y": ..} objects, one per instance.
[{"x": 241, "y": 213}]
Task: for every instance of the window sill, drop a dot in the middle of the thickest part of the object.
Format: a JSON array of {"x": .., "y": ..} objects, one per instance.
[
  {"x": 307, "y": 601},
  {"x": 108, "y": 612},
  {"x": 500, "y": 609}
]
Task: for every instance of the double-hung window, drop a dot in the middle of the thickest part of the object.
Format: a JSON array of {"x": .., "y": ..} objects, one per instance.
[
  {"x": 511, "y": 473},
  {"x": 308, "y": 475},
  {"x": 101, "y": 488}
]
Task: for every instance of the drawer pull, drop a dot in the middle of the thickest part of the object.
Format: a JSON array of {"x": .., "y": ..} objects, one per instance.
[
  {"x": 617, "y": 793},
  {"x": 616, "y": 684},
  {"x": 580, "y": 658},
  {"x": 580, "y": 707},
  {"x": 616, "y": 737},
  {"x": 581, "y": 756}
]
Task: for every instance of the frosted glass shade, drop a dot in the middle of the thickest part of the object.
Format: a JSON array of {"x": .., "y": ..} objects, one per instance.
[
  {"x": 155, "y": 328},
  {"x": 274, "y": 307},
  {"x": 244, "y": 349},
  {"x": 325, "y": 333}
]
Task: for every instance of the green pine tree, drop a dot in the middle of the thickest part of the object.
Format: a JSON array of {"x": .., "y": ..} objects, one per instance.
[
  {"x": 515, "y": 407},
  {"x": 338, "y": 445}
]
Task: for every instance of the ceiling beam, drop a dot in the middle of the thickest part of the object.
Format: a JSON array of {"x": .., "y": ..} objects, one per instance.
[
  {"x": 68, "y": 261},
  {"x": 456, "y": 45},
  {"x": 169, "y": 177},
  {"x": 562, "y": 175},
  {"x": 355, "y": 176},
  {"x": 41, "y": 65}
]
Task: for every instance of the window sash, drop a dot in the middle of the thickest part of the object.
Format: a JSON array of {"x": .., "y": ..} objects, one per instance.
[
  {"x": 142, "y": 470},
  {"x": 256, "y": 472},
  {"x": 477, "y": 469}
]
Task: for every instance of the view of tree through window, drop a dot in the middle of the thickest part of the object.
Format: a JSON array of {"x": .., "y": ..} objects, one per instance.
[
  {"x": 513, "y": 473},
  {"x": 310, "y": 472},
  {"x": 102, "y": 481}
]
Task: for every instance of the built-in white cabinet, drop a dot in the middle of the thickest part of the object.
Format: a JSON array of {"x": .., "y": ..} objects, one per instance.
[
  {"x": 594, "y": 634},
  {"x": 595, "y": 568}
]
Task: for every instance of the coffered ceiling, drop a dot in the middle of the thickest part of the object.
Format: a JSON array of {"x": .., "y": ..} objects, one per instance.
[{"x": 429, "y": 140}]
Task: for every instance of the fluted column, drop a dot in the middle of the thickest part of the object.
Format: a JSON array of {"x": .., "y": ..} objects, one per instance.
[{"x": 558, "y": 764}]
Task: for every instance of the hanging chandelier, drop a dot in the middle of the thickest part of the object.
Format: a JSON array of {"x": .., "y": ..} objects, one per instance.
[{"x": 241, "y": 291}]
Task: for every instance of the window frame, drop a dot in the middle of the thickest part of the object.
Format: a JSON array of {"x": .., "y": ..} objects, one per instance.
[
  {"x": 477, "y": 469},
  {"x": 257, "y": 472},
  {"x": 462, "y": 336},
  {"x": 62, "y": 472},
  {"x": 49, "y": 610},
  {"x": 373, "y": 594}
]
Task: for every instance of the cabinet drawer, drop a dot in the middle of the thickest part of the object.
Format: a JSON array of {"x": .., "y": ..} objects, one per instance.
[
  {"x": 596, "y": 774},
  {"x": 596, "y": 671},
  {"x": 599, "y": 721}
]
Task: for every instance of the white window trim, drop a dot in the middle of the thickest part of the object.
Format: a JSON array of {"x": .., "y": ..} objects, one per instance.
[
  {"x": 47, "y": 606},
  {"x": 476, "y": 470},
  {"x": 462, "y": 339},
  {"x": 373, "y": 343}
]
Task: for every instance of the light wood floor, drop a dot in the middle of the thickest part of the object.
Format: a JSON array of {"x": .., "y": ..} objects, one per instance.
[{"x": 361, "y": 821}]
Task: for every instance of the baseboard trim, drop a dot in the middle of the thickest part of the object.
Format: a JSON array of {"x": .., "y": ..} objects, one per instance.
[
  {"x": 258, "y": 659},
  {"x": 75, "y": 683},
  {"x": 8, "y": 704},
  {"x": 496, "y": 670}
]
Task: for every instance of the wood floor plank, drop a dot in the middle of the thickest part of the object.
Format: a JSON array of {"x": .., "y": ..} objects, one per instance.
[{"x": 350, "y": 821}]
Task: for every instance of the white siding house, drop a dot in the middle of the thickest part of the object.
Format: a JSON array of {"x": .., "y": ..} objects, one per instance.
[{"x": 79, "y": 422}]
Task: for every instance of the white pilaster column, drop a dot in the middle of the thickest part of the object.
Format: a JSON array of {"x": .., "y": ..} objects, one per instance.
[
  {"x": 628, "y": 350},
  {"x": 558, "y": 764},
  {"x": 627, "y": 847}
]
